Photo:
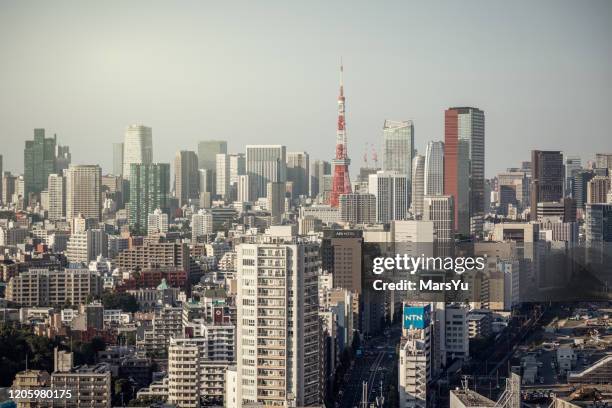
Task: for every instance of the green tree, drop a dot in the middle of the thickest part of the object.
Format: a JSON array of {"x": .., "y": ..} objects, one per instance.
[{"x": 123, "y": 301}]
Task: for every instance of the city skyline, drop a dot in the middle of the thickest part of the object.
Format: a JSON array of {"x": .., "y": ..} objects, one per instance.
[{"x": 126, "y": 77}]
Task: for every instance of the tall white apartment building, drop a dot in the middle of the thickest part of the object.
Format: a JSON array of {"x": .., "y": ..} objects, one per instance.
[
  {"x": 56, "y": 186},
  {"x": 278, "y": 332},
  {"x": 392, "y": 195},
  {"x": 197, "y": 365},
  {"x": 201, "y": 224},
  {"x": 137, "y": 147},
  {"x": 83, "y": 186},
  {"x": 157, "y": 222},
  {"x": 86, "y": 246}
]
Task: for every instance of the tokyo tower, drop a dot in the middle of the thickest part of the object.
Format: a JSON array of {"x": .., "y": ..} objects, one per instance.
[{"x": 341, "y": 183}]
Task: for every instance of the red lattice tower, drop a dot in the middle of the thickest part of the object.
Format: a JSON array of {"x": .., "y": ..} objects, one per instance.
[{"x": 341, "y": 183}]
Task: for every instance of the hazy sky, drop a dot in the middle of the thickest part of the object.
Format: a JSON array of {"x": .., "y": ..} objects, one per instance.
[{"x": 267, "y": 72}]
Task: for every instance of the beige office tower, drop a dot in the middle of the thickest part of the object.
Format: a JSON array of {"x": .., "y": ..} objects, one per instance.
[
  {"x": 439, "y": 209},
  {"x": 83, "y": 186},
  {"x": 278, "y": 361},
  {"x": 597, "y": 190}
]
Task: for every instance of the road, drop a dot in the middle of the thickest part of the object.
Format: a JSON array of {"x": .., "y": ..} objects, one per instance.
[{"x": 374, "y": 367}]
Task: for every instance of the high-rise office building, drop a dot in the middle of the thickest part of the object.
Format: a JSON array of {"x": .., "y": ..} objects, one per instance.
[
  {"x": 137, "y": 147},
  {"x": 598, "y": 223},
  {"x": 546, "y": 177},
  {"x": 434, "y": 168},
  {"x": 573, "y": 165},
  {"x": 391, "y": 191},
  {"x": 63, "y": 158},
  {"x": 580, "y": 187},
  {"x": 8, "y": 187},
  {"x": 245, "y": 189},
  {"x": 604, "y": 161},
  {"x": 464, "y": 148},
  {"x": 237, "y": 167},
  {"x": 318, "y": 169},
  {"x": 208, "y": 151},
  {"x": 56, "y": 187},
  {"x": 149, "y": 190},
  {"x": 513, "y": 189},
  {"x": 38, "y": 162},
  {"x": 439, "y": 209},
  {"x": 597, "y": 189},
  {"x": 298, "y": 172},
  {"x": 418, "y": 185},
  {"x": 118, "y": 159},
  {"x": 83, "y": 191},
  {"x": 358, "y": 208},
  {"x": 265, "y": 164},
  {"x": 398, "y": 139},
  {"x": 186, "y": 177},
  {"x": 278, "y": 324},
  {"x": 275, "y": 197},
  {"x": 223, "y": 175}
]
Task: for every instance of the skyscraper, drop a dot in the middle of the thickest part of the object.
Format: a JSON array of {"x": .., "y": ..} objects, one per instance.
[
  {"x": 604, "y": 161},
  {"x": 149, "y": 190},
  {"x": 117, "y": 159},
  {"x": 137, "y": 147},
  {"x": 1, "y": 175},
  {"x": 341, "y": 182},
  {"x": 208, "y": 151},
  {"x": 244, "y": 188},
  {"x": 223, "y": 175},
  {"x": 56, "y": 187},
  {"x": 464, "y": 147},
  {"x": 298, "y": 172},
  {"x": 434, "y": 169},
  {"x": 597, "y": 190},
  {"x": 265, "y": 164},
  {"x": 83, "y": 191},
  {"x": 439, "y": 209},
  {"x": 63, "y": 158},
  {"x": 318, "y": 169},
  {"x": 275, "y": 196},
  {"x": 573, "y": 165},
  {"x": 186, "y": 179},
  {"x": 580, "y": 187},
  {"x": 38, "y": 162},
  {"x": 358, "y": 208},
  {"x": 391, "y": 191},
  {"x": 398, "y": 139},
  {"x": 418, "y": 187},
  {"x": 278, "y": 324},
  {"x": 237, "y": 167},
  {"x": 546, "y": 177}
]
